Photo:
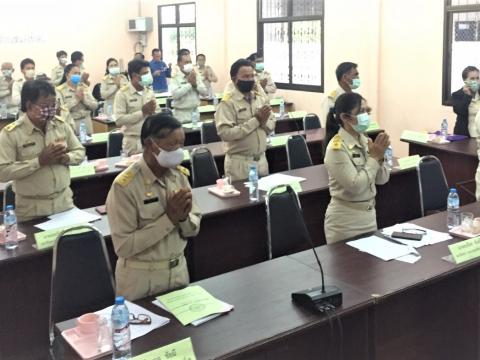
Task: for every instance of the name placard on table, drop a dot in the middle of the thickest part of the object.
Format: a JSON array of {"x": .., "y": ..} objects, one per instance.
[{"x": 465, "y": 250}]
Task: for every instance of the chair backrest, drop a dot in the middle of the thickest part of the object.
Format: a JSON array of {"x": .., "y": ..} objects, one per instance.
[
  {"x": 8, "y": 195},
  {"x": 311, "y": 121},
  {"x": 114, "y": 143},
  {"x": 284, "y": 236},
  {"x": 96, "y": 92},
  {"x": 298, "y": 155},
  {"x": 208, "y": 133},
  {"x": 432, "y": 184},
  {"x": 82, "y": 279},
  {"x": 204, "y": 168}
]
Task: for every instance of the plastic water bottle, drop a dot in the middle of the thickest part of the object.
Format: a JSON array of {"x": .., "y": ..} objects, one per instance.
[
  {"x": 215, "y": 100},
  {"x": 444, "y": 128},
  {"x": 10, "y": 232},
  {"x": 282, "y": 107},
  {"x": 3, "y": 111},
  {"x": 109, "y": 110},
  {"x": 389, "y": 157},
  {"x": 195, "y": 116},
  {"x": 121, "y": 344},
  {"x": 453, "y": 209},
  {"x": 253, "y": 182},
  {"x": 83, "y": 132}
]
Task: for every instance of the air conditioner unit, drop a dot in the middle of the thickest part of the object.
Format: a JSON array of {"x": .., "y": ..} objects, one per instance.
[{"x": 140, "y": 24}]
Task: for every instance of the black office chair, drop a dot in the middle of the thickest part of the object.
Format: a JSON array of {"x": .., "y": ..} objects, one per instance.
[
  {"x": 311, "y": 122},
  {"x": 8, "y": 195},
  {"x": 286, "y": 228},
  {"x": 82, "y": 279},
  {"x": 432, "y": 184},
  {"x": 204, "y": 168},
  {"x": 96, "y": 92},
  {"x": 298, "y": 155},
  {"x": 114, "y": 143},
  {"x": 208, "y": 133}
]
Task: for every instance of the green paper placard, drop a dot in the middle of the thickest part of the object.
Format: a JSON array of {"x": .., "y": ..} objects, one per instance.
[
  {"x": 296, "y": 186},
  {"x": 81, "y": 170},
  {"x": 219, "y": 95},
  {"x": 161, "y": 101},
  {"x": 46, "y": 239},
  {"x": 279, "y": 140},
  {"x": 206, "y": 109},
  {"x": 276, "y": 101},
  {"x": 465, "y": 250},
  {"x": 190, "y": 304},
  {"x": 186, "y": 155},
  {"x": 180, "y": 350},
  {"x": 408, "y": 162},
  {"x": 100, "y": 137},
  {"x": 414, "y": 136},
  {"x": 297, "y": 114},
  {"x": 373, "y": 126}
]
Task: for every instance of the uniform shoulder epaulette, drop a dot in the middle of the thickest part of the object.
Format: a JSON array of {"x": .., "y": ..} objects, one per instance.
[
  {"x": 125, "y": 88},
  {"x": 11, "y": 126},
  {"x": 183, "y": 170},
  {"x": 227, "y": 96},
  {"x": 336, "y": 142},
  {"x": 333, "y": 94},
  {"x": 61, "y": 87},
  {"x": 105, "y": 77},
  {"x": 126, "y": 176},
  {"x": 59, "y": 118}
]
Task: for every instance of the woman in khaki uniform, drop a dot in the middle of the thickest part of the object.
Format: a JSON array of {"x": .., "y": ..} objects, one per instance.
[
  {"x": 111, "y": 83},
  {"x": 76, "y": 97},
  {"x": 355, "y": 165}
]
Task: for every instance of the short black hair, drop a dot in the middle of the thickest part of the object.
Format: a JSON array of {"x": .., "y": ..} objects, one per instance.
[
  {"x": 25, "y": 62},
  {"x": 468, "y": 70},
  {"x": 201, "y": 55},
  {"x": 154, "y": 51},
  {"x": 33, "y": 89},
  {"x": 238, "y": 64},
  {"x": 253, "y": 57},
  {"x": 61, "y": 53},
  {"x": 135, "y": 66},
  {"x": 158, "y": 126},
  {"x": 344, "y": 68},
  {"x": 75, "y": 56},
  {"x": 182, "y": 52},
  {"x": 139, "y": 53}
]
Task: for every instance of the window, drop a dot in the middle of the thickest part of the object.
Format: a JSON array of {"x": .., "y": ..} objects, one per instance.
[
  {"x": 461, "y": 43},
  {"x": 290, "y": 36},
  {"x": 176, "y": 30}
]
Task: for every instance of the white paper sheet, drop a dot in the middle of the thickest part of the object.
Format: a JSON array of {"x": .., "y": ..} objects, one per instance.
[
  {"x": 380, "y": 248},
  {"x": 431, "y": 237},
  {"x": 410, "y": 258},
  {"x": 270, "y": 181},
  {"x": 70, "y": 217}
]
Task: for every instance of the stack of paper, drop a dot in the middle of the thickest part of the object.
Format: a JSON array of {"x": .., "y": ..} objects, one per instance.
[
  {"x": 381, "y": 248},
  {"x": 431, "y": 237},
  {"x": 268, "y": 182},
  {"x": 192, "y": 305},
  {"x": 70, "y": 217}
]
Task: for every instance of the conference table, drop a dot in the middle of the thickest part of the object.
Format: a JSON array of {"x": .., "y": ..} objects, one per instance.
[
  {"x": 233, "y": 235},
  {"x": 459, "y": 160},
  {"x": 391, "y": 310}
]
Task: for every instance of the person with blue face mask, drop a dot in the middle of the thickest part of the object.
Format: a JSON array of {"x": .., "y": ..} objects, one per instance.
[
  {"x": 355, "y": 164},
  {"x": 133, "y": 103},
  {"x": 264, "y": 78},
  {"x": 348, "y": 80},
  {"x": 152, "y": 213},
  {"x": 113, "y": 81},
  {"x": 76, "y": 97},
  {"x": 466, "y": 103}
]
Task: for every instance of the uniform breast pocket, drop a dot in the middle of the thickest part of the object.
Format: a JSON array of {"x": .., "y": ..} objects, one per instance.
[
  {"x": 151, "y": 208},
  {"x": 28, "y": 151},
  {"x": 243, "y": 114},
  {"x": 359, "y": 162}
]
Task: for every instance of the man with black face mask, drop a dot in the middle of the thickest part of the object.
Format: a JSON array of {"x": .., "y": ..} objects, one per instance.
[{"x": 244, "y": 119}]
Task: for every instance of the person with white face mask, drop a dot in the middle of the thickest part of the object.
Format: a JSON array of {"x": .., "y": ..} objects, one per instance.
[
  {"x": 152, "y": 213},
  {"x": 27, "y": 66},
  {"x": 6, "y": 83},
  {"x": 355, "y": 164},
  {"x": 186, "y": 87},
  {"x": 466, "y": 103},
  {"x": 57, "y": 71},
  {"x": 133, "y": 103},
  {"x": 111, "y": 83}
]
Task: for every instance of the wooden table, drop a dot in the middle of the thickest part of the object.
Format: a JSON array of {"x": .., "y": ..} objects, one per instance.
[
  {"x": 459, "y": 160},
  {"x": 103, "y": 125}
]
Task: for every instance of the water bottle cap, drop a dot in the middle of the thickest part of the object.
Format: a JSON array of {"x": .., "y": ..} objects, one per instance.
[
  {"x": 453, "y": 190},
  {"x": 119, "y": 300},
  {"x": 9, "y": 207}
]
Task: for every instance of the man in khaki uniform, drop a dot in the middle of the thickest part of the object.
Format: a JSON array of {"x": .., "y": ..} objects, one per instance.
[
  {"x": 27, "y": 67},
  {"x": 133, "y": 103},
  {"x": 348, "y": 79},
  {"x": 6, "y": 83},
  {"x": 57, "y": 71},
  {"x": 35, "y": 153},
  {"x": 151, "y": 214},
  {"x": 206, "y": 72},
  {"x": 243, "y": 120}
]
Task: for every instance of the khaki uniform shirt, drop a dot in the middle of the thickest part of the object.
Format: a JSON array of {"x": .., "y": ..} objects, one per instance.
[
  {"x": 108, "y": 88},
  {"x": 328, "y": 103},
  {"x": 352, "y": 173},
  {"x": 270, "y": 88},
  {"x": 185, "y": 96},
  {"x": 5, "y": 91},
  {"x": 17, "y": 93},
  {"x": 237, "y": 125},
  {"x": 128, "y": 108},
  {"x": 136, "y": 207},
  {"x": 57, "y": 75},
  {"x": 208, "y": 76}
]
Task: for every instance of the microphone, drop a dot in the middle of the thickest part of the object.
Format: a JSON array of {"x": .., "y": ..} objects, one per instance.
[{"x": 320, "y": 298}]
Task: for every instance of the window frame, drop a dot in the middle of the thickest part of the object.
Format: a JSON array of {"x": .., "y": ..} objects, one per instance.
[
  {"x": 291, "y": 19},
  {"x": 449, "y": 11},
  {"x": 177, "y": 24}
]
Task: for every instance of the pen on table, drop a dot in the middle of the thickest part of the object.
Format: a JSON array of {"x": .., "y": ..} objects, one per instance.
[{"x": 412, "y": 249}]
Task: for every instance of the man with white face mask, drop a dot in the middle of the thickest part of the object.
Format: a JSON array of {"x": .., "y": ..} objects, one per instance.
[
  {"x": 27, "y": 66},
  {"x": 133, "y": 103},
  {"x": 57, "y": 71},
  {"x": 6, "y": 83},
  {"x": 186, "y": 87},
  {"x": 151, "y": 213}
]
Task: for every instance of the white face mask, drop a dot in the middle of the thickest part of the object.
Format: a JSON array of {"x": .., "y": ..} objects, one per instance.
[
  {"x": 7, "y": 73},
  {"x": 114, "y": 70},
  {"x": 63, "y": 60},
  {"x": 30, "y": 73},
  {"x": 188, "y": 68},
  {"x": 169, "y": 159}
]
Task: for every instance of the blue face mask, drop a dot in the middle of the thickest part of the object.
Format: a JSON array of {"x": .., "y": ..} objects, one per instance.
[
  {"x": 355, "y": 84},
  {"x": 363, "y": 123},
  {"x": 259, "y": 67},
  {"x": 473, "y": 85},
  {"x": 75, "y": 79}
]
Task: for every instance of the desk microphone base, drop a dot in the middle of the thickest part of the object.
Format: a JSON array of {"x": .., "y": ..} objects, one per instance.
[{"x": 317, "y": 300}]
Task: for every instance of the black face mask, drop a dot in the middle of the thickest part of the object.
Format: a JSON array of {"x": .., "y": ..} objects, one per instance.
[{"x": 245, "y": 86}]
